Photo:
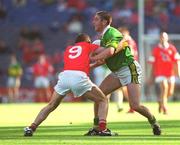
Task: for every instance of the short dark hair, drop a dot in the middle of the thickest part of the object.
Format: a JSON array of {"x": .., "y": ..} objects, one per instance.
[
  {"x": 83, "y": 38},
  {"x": 105, "y": 16}
]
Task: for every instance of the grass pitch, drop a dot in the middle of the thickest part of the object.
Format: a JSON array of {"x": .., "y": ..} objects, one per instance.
[{"x": 67, "y": 124}]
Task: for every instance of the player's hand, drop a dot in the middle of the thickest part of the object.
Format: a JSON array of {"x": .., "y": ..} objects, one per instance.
[
  {"x": 96, "y": 63},
  {"x": 122, "y": 44},
  {"x": 92, "y": 58}
]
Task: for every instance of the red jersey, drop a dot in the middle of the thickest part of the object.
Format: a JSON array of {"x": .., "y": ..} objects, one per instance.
[
  {"x": 163, "y": 60},
  {"x": 42, "y": 69},
  {"x": 133, "y": 46},
  {"x": 77, "y": 57}
]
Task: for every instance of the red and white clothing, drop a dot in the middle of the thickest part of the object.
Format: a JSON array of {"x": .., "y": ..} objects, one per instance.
[
  {"x": 133, "y": 46},
  {"x": 77, "y": 57},
  {"x": 76, "y": 69},
  {"x": 41, "y": 74},
  {"x": 163, "y": 60},
  {"x": 42, "y": 69}
]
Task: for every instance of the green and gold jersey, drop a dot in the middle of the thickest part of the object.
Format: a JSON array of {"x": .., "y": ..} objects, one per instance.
[
  {"x": 111, "y": 38},
  {"x": 15, "y": 70}
]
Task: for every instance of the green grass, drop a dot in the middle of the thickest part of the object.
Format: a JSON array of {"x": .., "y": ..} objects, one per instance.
[{"x": 67, "y": 124}]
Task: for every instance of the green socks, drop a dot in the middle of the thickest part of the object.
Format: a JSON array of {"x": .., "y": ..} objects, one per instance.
[
  {"x": 96, "y": 122},
  {"x": 152, "y": 121}
]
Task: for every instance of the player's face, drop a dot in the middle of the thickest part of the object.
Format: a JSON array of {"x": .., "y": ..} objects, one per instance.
[
  {"x": 98, "y": 24},
  {"x": 164, "y": 37}
]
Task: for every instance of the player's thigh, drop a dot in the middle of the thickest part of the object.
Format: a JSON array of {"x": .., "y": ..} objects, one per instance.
[
  {"x": 164, "y": 86},
  {"x": 171, "y": 86},
  {"x": 110, "y": 84},
  {"x": 95, "y": 94},
  {"x": 55, "y": 100},
  {"x": 125, "y": 92},
  {"x": 134, "y": 92},
  {"x": 163, "y": 83}
]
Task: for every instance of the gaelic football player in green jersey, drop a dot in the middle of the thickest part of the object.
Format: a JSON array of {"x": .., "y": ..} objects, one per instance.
[{"x": 125, "y": 70}]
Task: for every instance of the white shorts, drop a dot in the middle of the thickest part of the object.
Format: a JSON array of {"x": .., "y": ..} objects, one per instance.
[
  {"x": 100, "y": 73},
  {"x": 129, "y": 74},
  {"x": 13, "y": 82},
  {"x": 159, "y": 79},
  {"x": 41, "y": 82},
  {"x": 76, "y": 81}
]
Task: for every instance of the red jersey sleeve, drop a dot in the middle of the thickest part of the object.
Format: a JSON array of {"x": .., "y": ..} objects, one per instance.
[
  {"x": 175, "y": 55},
  {"x": 93, "y": 47},
  {"x": 151, "y": 58}
]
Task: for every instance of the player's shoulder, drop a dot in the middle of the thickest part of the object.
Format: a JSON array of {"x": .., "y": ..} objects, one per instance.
[
  {"x": 158, "y": 46},
  {"x": 156, "y": 49},
  {"x": 172, "y": 46},
  {"x": 114, "y": 32}
]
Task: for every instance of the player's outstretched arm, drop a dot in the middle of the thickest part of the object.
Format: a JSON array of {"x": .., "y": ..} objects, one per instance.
[{"x": 108, "y": 52}]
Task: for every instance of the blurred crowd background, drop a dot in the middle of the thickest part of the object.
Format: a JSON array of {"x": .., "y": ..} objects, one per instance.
[{"x": 30, "y": 29}]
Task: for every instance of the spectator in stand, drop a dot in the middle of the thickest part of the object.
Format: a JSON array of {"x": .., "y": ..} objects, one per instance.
[
  {"x": 79, "y": 5},
  {"x": 31, "y": 43},
  {"x": 176, "y": 9},
  {"x": 37, "y": 48},
  {"x": 61, "y": 5},
  {"x": 164, "y": 60},
  {"x": 3, "y": 11},
  {"x": 41, "y": 71},
  {"x": 19, "y": 3},
  {"x": 4, "y": 49},
  {"x": 74, "y": 26},
  {"x": 15, "y": 72}
]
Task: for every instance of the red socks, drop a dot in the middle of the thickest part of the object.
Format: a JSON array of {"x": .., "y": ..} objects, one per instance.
[
  {"x": 102, "y": 124},
  {"x": 33, "y": 126}
]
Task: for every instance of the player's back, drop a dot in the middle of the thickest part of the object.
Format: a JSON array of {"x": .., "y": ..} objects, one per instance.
[{"x": 76, "y": 57}]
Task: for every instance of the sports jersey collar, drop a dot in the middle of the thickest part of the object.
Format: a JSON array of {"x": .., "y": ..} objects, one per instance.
[{"x": 105, "y": 29}]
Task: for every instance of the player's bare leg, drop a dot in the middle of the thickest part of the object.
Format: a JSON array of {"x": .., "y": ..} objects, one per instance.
[
  {"x": 99, "y": 98},
  {"x": 106, "y": 87},
  {"x": 43, "y": 114},
  {"x": 163, "y": 96},
  {"x": 102, "y": 103},
  {"x": 134, "y": 100},
  {"x": 171, "y": 86},
  {"x": 119, "y": 99}
]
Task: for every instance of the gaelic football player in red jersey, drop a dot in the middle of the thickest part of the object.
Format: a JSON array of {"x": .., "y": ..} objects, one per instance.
[
  {"x": 164, "y": 62},
  {"x": 75, "y": 78},
  {"x": 41, "y": 71}
]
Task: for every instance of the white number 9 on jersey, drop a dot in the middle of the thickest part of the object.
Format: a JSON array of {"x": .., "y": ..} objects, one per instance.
[{"x": 75, "y": 51}]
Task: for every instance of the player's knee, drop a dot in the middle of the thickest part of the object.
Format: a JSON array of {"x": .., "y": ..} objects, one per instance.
[
  {"x": 135, "y": 106},
  {"x": 102, "y": 98},
  {"x": 170, "y": 93},
  {"x": 104, "y": 90}
]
